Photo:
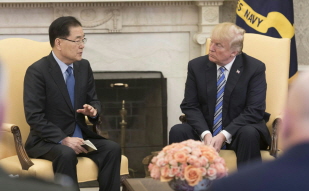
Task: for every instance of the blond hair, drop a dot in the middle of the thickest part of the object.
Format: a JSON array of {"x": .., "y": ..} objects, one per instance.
[{"x": 229, "y": 32}]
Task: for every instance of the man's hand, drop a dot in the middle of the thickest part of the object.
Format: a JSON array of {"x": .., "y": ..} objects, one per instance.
[
  {"x": 207, "y": 139},
  {"x": 217, "y": 141},
  {"x": 75, "y": 143},
  {"x": 88, "y": 110}
]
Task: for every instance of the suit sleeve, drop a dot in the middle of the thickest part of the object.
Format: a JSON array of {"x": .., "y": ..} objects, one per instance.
[
  {"x": 34, "y": 106},
  {"x": 190, "y": 105},
  {"x": 92, "y": 98},
  {"x": 255, "y": 105}
]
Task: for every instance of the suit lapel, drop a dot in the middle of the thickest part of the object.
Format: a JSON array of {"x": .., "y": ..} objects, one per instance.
[
  {"x": 234, "y": 75},
  {"x": 211, "y": 84},
  {"x": 57, "y": 76}
]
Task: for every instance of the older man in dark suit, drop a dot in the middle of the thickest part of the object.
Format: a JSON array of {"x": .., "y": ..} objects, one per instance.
[
  {"x": 224, "y": 100},
  {"x": 59, "y": 92},
  {"x": 289, "y": 171}
]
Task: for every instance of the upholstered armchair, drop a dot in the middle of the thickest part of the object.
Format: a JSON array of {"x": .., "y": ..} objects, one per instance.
[
  {"x": 17, "y": 54},
  {"x": 275, "y": 53}
]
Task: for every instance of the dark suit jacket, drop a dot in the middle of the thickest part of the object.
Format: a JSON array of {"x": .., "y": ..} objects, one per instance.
[
  {"x": 288, "y": 172},
  {"x": 47, "y": 104},
  {"x": 244, "y": 95},
  {"x": 27, "y": 184}
]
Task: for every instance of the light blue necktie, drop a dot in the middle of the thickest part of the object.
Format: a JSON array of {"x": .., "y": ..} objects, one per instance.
[
  {"x": 219, "y": 103},
  {"x": 70, "y": 81}
]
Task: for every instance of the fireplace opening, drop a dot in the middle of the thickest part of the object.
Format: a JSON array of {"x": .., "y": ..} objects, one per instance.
[{"x": 134, "y": 113}]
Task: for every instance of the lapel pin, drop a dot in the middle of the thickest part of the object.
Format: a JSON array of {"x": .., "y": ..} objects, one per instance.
[{"x": 237, "y": 71}]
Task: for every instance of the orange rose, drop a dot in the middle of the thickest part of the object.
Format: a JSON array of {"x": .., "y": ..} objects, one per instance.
[
  {"x": 192, "y": 175},
  {"x": 210, "y": 156},
  {"x": 180, "y": 156}
]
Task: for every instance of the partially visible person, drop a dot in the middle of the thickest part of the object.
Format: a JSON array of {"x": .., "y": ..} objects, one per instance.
[
  {"x": 289, "y": 171},
  {"x": 59, "y": 92},
  {"x": 224, "y": 99},
  {"x": 16, "y": 184}
]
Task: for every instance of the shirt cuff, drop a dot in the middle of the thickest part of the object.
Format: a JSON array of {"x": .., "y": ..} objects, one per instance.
[
  {"x": 203, "y": 134},
  {"x": 227, "y": 135}
]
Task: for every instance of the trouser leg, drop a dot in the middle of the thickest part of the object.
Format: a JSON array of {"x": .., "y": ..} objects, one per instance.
[
  {"x": 182, "y": 132},
  {"x": 247, "y": 144},
  {"x": 64, "y": 161},
  {"x": 107, "y": 158}
]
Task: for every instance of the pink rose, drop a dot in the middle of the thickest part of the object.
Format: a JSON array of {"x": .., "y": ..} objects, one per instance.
[
  {"x": 165, "y": 171},
  {"x": 204, "y": 171},
  {"x": 174, "y": 171},
  {"x": 221, "y": 170},
  {"x": 150, "y": 166},
  {"x": 192, "y": 159},
  {"x": 185, "y": 149},
  {"x": 173, "y": 163},
  {"x": 180, "y": 156},
  {"x": 168, "y": 157},
  {"x": 196, "y": 152},
  {"x": 161, "y": 162},
  {"x": 155, "y": 172},
  {"x": 211, "y": 173},
  {"x": 204, "y": 161}
]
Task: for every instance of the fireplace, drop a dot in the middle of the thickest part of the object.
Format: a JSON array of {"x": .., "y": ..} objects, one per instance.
[{"x": 143, "y": 95}]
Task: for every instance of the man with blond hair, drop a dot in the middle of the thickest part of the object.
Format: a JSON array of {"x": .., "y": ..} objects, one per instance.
[
  {"x": 224, "y": 99},
  {"x": 289, "y": 171}
]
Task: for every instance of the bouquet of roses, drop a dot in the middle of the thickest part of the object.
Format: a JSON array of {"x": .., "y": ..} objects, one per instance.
[{"x": 189, "y": 160}]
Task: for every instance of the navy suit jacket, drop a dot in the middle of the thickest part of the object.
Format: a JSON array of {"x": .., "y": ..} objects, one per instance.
[
  {"x": 47, "y": 104},
  {"x": 244, "y": 95},
  {"x": 288, "y": 172}
]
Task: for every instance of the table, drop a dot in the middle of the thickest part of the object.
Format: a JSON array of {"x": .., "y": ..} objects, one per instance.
[{"x": 145, "y": 184}]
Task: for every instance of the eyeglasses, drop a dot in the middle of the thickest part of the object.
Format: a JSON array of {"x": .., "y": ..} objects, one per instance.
[{"x": 78, "y": 42}]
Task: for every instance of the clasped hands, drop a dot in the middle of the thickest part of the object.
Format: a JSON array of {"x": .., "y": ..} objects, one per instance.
[{"x": 215, "y": 141}]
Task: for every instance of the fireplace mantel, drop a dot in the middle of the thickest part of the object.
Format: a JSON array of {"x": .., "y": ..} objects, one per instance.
[{"x": 139, "y": 35}]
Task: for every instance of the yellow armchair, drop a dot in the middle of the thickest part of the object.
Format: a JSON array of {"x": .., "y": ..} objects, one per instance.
[
  {"x": 275, "y": 53},
  {"x": 17, "y": 54}
]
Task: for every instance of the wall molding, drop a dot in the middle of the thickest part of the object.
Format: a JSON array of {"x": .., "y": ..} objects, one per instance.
[{"x": 98, "y": 4}]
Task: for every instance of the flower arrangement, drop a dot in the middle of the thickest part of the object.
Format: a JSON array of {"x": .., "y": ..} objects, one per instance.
[{"x": 189, "y": 160}]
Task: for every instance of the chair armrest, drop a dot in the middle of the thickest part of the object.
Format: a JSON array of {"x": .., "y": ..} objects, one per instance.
[
  {"x": 7, "y": 127},
  {"x": 183, "y": 118},
  {"x": 23, "y": 157},
  {"x": 274, "y": 137}
]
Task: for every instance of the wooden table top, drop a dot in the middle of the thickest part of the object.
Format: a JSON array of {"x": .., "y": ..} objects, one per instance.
[{"x": 145, "y": 184}]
